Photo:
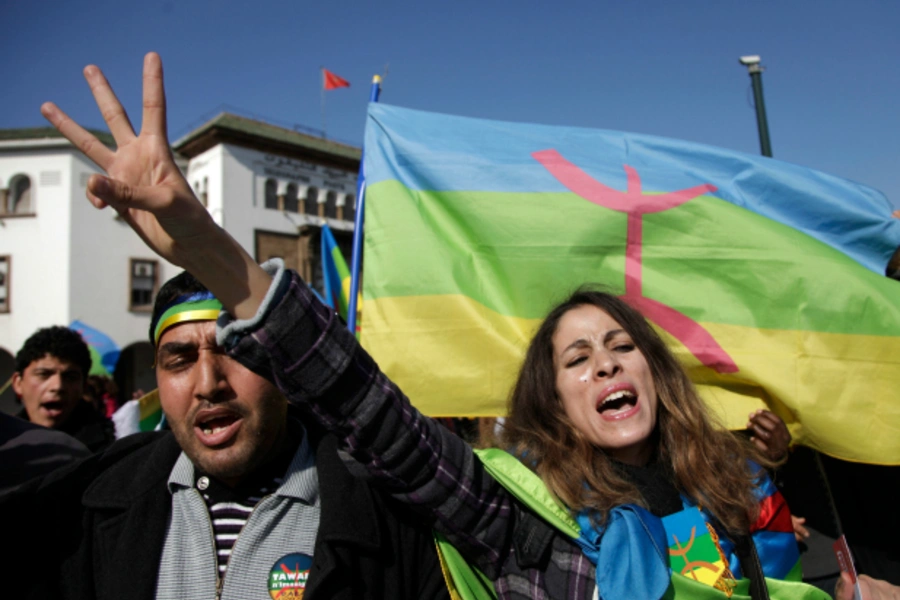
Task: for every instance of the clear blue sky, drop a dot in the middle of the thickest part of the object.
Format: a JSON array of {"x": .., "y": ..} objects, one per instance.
[{"x": 652, "y": 66}]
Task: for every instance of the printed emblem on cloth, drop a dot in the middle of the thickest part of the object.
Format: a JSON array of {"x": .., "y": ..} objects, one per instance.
[
  {"x": 694, "y": 550},
  {"x": 287, "y": 578}
]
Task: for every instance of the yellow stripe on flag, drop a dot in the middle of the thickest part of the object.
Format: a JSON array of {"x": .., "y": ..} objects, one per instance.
[{"x": 804, "y": 371}]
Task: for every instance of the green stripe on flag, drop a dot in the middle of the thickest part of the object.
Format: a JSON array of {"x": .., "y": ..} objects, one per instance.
[{"x": 517, "y": 253}]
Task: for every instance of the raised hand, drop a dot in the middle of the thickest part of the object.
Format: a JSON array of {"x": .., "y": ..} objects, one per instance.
[
  {"x": 144, "y": 185},
  {"x": 769, "y": 434}
]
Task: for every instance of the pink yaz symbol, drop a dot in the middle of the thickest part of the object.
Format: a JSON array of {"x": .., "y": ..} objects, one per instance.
[{"x": 690, "y": 333}]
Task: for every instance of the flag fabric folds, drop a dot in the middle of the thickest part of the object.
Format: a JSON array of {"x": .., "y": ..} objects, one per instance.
[
  {"x": 143, "y": 414},
  {"x": 104, "y": 351},
  {"x": 765, "y": 278},
  {"x": 332, "y": 81},
  {"x": 336, "y": 277}
]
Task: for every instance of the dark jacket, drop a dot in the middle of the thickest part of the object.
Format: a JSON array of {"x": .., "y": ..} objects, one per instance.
[
  {"x": 97, "y": 529},
  {"x": 28, "y": 451},
  {"x": 87, "y": 426}
]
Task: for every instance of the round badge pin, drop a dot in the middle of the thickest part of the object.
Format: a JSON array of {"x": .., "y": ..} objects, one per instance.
[{"x": 287, "y": 578}]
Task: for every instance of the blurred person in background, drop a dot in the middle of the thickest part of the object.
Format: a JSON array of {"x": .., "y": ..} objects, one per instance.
[{"x": 51, "y": 368}]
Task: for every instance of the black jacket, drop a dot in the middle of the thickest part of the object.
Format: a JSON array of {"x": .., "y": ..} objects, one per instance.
[
  {"x": 97, "y": 529},
  {"x": 87, "y": 426}
]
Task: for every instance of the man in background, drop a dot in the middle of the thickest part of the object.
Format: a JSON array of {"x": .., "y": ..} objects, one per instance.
[{"x": 51, "y": 368}]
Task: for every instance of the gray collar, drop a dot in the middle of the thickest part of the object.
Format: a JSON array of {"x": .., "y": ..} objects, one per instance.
[{"x": 301, "y": 481}]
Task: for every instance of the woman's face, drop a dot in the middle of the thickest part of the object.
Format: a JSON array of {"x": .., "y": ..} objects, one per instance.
[{"x": 605, "y": 384}]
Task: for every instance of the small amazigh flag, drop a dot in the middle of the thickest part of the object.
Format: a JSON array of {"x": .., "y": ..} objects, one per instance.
[
  {"x": 104, "y": 351},
  {"x": 332, "y": 81},
  {"x": 336, "y": 277}
]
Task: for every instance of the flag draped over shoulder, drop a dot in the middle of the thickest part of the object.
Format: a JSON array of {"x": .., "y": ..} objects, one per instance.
[
  {"x": 765, "y": 278},
  {"x": 336, "y": 276}
]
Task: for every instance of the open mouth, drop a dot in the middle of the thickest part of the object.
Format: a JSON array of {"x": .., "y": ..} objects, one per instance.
[
  {"x": 617, "y": 401},
  {"x": 618, "y": 404},
  {"x": 53, "y": 408},
  {"x": 217, "y": 424},
  {"x": 218, "y": 428}
]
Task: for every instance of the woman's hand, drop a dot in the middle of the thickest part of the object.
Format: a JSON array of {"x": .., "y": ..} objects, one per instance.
[{"x": 147, "y": 189}]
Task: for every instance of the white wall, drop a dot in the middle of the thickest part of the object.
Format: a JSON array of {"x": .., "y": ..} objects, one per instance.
[
  {"x": 39, "y": 245},
  {"x": 206, "y": 169},
  {"x": 101, "y": 249},
  {"x": 71, "y": 261},
  {"x": 243, "y": 173}
]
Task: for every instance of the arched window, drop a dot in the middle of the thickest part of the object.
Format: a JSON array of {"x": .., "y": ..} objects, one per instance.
[
  {"x": 271, "y": 194},
  {"x": 311, "y": 204},
  {"x": 20, "y": 195},
  {"x": 290, "y": 198},
  {"x": 350, "y": 207},
  {"x": 331, "y": 204}
]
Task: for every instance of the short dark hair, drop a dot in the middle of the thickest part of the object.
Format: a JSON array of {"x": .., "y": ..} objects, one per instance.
[
  {"x": 63, "y": 343},
  {"x": 183, "y": 284}
]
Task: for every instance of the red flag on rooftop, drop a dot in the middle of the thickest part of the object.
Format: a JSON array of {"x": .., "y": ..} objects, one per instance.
[{"x": 333, "y": 81}]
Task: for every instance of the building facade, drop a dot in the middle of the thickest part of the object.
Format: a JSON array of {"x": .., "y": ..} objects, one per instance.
[{"x": 61, "y": 260}]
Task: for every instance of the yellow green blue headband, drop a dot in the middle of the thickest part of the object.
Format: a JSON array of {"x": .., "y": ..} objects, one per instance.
[{"x": 197, "y": 307}]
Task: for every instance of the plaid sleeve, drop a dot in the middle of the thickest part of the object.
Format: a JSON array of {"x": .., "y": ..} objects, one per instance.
[{"x": 305, "y": 349}]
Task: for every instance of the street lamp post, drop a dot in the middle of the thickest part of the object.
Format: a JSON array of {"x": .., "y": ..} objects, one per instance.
[{"x": 755, "y": 70}]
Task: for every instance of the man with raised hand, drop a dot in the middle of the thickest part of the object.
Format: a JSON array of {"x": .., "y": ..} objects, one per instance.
[{"x": 242, "y": 499}]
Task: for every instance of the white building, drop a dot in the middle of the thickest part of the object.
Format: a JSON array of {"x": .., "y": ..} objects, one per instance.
[{"x": 62, "y": 260}]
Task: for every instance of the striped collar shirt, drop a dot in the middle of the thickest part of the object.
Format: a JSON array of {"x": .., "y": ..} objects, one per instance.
[{"x": 280, "y": 525}]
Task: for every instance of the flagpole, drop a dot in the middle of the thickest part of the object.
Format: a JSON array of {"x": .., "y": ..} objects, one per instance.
[
  {"x": 324, "y": 130},
  {"x": 358, "y": 228}
]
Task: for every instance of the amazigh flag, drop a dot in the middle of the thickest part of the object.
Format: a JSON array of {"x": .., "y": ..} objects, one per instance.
[
  {"x": 766, "y": 278},
  {"x": 143, "y": 414},
  {"x": 330, "y": 81},
  {"x": 104, "y": 351},
  {"x": 336, "y": 276}
]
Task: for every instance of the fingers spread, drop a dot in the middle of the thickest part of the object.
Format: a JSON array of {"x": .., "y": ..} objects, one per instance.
[
  {"x": 109, "y": 105},
  {"x": 75, "y": 133},
  {"x": 154, "y": 119}
]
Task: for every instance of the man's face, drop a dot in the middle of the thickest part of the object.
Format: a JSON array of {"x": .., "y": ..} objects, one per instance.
[
  {"x": 227, "y": 419},
  {"x": 50, "y": 389}
]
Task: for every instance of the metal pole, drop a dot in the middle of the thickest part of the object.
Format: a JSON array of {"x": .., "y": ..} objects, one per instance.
[
  {"x": 765, "y": 146},
  {"x": 356, "y": 263},
  {"x": 324, "y": 129}
]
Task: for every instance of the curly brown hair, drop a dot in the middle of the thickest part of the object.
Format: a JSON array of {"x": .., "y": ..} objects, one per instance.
[{"x": 709, "y": 464}]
